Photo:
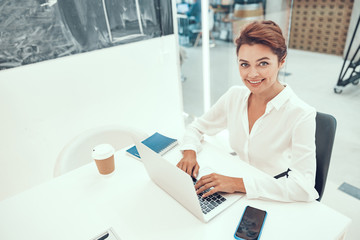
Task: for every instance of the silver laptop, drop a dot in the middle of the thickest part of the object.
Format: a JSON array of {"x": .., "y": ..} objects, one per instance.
[{"x": 180, "y": 186}]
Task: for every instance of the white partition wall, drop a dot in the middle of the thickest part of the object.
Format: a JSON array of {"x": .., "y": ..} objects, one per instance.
[{"x": 44, "y": 105}]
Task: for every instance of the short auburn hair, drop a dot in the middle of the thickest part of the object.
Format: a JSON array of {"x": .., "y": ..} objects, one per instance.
[{"x": 263, "y": 32}]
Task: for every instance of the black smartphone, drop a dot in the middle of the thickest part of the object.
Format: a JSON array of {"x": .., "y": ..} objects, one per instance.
[{"x": 251, "y": 224}]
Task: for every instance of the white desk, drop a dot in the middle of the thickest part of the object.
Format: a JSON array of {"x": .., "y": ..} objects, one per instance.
[{"x": 82, "y": 204}]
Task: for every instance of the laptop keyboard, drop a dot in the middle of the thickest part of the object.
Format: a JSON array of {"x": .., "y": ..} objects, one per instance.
[{"x": 210, "y": 202}]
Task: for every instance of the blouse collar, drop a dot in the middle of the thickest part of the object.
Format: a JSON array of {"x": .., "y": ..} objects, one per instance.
[{"x": 279, "y": 100}]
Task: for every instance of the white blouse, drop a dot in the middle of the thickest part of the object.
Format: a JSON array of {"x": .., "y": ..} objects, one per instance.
[{"x": 283, "y": 137}]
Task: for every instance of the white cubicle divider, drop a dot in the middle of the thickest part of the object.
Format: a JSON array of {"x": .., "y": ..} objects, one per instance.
[{"x": 44, "y": 105}]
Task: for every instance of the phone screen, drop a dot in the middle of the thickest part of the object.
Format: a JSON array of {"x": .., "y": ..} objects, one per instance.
[{"x": 250, "y": 224}]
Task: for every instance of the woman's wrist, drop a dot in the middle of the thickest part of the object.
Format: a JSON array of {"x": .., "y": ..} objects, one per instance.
[
  {"x": 189, "y": 153},
  {"x": 239, "y": 185}
]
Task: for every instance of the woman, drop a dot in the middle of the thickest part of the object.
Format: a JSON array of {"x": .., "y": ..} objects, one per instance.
[{"x": 269, "y": 126}]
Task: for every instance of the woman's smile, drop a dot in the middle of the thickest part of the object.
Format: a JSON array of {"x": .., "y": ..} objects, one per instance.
[
  {"x": 259, "y": 68},
  {"x": 255, "y": 81}
]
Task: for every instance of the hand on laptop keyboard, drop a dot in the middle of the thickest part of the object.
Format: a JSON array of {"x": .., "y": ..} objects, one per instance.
[
  {"x": 188, "y": 163},
  {"x": 219, "y": 183},
  {"x": 211, "y": 202}
]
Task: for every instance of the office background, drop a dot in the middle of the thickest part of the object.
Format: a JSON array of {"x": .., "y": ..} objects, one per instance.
[
  {"x": 317, "y": 48},
  {"x": 43, "y": 105}
]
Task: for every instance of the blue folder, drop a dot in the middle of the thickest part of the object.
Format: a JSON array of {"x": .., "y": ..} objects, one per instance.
[{"x": 156, "y": 142}]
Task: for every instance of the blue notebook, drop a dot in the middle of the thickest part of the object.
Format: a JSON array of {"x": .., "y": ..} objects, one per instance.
[{"x": 156, "y": 142}]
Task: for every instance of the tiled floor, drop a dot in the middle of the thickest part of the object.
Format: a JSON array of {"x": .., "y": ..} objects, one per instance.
[{"x": 312, "y": 76}]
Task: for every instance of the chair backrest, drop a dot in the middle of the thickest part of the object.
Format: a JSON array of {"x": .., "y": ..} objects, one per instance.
[
  {"x": 78, "y": 151},
  {"x": 324, "y": 140}
]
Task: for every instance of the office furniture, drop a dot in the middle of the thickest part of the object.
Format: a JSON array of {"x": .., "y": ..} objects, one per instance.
[
  {"x": 324, "y": 140},
  {"x": 183, "y": 29},
  {"x": 82, "y": 204},
  {"x": 217, "y": 26},
  {"x": 225, "y": 20},
  {"x": 229, "y": 19},
  {"x": 78, "y": 151},
  {"x": 322, "y": 27},
  {"x": 222, "y": 23},
  {"x": 50, "y": 102},
  {"x": 353, "y": 66},
  {"x": 199, "y": 31},
  {"x": 187, "y": 17}
]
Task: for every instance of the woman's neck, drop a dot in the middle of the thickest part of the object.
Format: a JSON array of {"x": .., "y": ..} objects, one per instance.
[{"x": 265, "y": 97}]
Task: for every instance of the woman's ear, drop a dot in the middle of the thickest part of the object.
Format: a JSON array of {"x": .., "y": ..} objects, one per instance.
[{"x": 282, "y": 61}]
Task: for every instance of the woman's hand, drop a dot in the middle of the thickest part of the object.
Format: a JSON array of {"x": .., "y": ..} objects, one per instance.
[
  {"x": 219, "y": 183},
  {"x": 188, "y": 163}
]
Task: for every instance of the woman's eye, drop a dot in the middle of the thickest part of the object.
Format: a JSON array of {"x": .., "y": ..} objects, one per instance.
[
  {"x": 263, "y": 64},
  {"x": 244, "y": 64}
]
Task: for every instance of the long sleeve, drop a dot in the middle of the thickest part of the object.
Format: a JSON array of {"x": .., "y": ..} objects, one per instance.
[
  {"x": 282, "y": 138},
  {"x": 299, "y": 185},
  {"x": 211, "y": 123}
]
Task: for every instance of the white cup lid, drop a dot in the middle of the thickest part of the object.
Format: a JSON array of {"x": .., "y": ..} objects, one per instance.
[{"x": 103, "y": 151}]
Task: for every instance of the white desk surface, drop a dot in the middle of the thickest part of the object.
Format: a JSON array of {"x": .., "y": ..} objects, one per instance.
[{"x": 82, "y": 204}]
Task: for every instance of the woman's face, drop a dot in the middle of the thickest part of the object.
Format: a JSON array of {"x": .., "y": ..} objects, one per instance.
[{"x": 259, "y": 68}]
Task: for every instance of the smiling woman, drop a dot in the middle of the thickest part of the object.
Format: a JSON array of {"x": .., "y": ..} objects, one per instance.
[
  {"x": 261, "y": 51},
  {"x": 269, "y": 126},
  {"x": 259, "y": 68}
]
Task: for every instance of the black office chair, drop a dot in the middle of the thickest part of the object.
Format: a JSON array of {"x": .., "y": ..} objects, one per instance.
[{"x": 324, "y": 140}]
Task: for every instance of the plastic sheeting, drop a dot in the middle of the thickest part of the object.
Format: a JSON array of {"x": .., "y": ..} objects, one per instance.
[{"x": 37, "y": 30}]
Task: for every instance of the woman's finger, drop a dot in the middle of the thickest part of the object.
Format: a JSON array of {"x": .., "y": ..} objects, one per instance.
[
  {"x": 205, "y": 187},
  {"x": 209, "y": 193},
  {"x": 202, "y": 181},
  {"x": 189, "y": 169},
  {"x": 180, "y": 165},
  {"x": 196, "y": 170}
]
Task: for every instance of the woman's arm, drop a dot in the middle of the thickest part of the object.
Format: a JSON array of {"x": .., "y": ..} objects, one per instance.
[
  {"x": 299, "y": 185},
  {"x": 210, "y": 123},
  {"x": 188, "y": 163},
  {"x": 219, "y": 183}
]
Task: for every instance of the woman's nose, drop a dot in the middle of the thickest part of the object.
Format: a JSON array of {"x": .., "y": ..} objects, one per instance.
[{"x": 253, "y": 72}]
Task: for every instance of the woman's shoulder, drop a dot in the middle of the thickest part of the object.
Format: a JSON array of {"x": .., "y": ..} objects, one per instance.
[
  {"x": 299, "y": 105},
  {"x": 238, "y": 91},
  {"x": 234, "y": 96}
]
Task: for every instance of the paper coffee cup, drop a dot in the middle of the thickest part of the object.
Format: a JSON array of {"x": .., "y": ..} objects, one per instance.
[{"x": 103, "y": 155}]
